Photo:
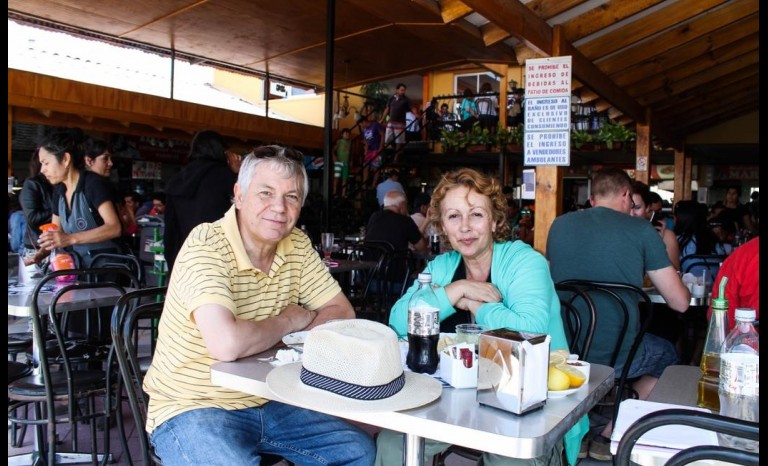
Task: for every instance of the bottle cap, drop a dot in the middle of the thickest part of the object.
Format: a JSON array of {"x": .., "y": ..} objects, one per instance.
[
  {"x": 745, "y": 314},
  {"x": 721, "y": 303},
  {"x": 425, "y": 277}
]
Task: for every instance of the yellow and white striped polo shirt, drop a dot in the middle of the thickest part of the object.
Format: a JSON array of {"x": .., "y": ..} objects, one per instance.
[{"x": 213, "y": 268}]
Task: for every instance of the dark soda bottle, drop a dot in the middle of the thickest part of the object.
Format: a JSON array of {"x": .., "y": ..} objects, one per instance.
[{"x": 423, "y": 328}]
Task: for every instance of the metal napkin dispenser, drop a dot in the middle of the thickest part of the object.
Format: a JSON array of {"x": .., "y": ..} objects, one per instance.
[{"x": 513, "y": 370}]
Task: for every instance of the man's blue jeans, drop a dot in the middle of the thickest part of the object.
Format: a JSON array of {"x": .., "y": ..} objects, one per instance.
[{"x": 212, "y": 436}]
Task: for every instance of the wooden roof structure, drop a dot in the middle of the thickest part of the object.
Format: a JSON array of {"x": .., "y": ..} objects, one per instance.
[{"x": 684, "y": 65}]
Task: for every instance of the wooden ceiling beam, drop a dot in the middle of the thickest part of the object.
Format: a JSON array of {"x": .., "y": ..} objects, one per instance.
[
  {"x": 493, "y": 34},
  {"x": 523, "y": 24},
  {"x": 743, "y": 35},
  {"x": 674, "y": 15},
  {"x": 603, "y": 16},
  {"x": 682, "y": 34},
  {"x": 744, "y": 63},
  {"x": 546, "y": 9},
  {"x": 681, "y": 122},
  {"x": 720, "y": 118},
  {"x": 689, "y": 70},
  {"x": 710, "y": 91},
  {"x": 46, "y": 112},
  {"x": 453, "y": 10}
]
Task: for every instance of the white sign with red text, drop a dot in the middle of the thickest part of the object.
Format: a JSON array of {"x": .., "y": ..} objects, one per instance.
[{"x": 547, "y": 111}]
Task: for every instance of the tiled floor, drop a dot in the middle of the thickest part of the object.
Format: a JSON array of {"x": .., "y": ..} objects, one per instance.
[{"x": 116, "y": 447}]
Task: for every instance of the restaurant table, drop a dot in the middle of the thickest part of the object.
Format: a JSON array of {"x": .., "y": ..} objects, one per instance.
[
  {"x": 657, "y": 298},
  {"x": 455, "y": 417},
  {"x": 678, "y": 385}
]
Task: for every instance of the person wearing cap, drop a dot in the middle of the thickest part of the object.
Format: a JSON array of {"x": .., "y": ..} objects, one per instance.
[
  {"x": 487, "y": 279},
  {"x": 238, "y": 287}
]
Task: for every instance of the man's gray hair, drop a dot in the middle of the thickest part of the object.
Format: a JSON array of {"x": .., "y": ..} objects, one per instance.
[
  {"x": 284, "y": 160},
  {"x": 394, "y": 198}
]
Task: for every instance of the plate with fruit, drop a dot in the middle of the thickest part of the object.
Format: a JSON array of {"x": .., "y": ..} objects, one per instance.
[{"x": 566, "y": 377}]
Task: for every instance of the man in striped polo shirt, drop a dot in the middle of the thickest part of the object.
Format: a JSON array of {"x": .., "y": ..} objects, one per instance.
[{"x": 238, "y": 286}]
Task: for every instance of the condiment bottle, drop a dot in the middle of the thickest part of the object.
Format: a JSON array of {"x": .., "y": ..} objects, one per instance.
[
  {"x": 710, "y": 360},
  {"x": 60, "y": 259}
]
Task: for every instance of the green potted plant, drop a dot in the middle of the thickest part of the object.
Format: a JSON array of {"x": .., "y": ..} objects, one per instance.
[
  {"x": 611, "y": 133},
  {"x": 510, "y": 138},
  {"x": 479, "y": 139},
  {"x": 579, "y": 138},
  {"x": 453, "y": 140}
]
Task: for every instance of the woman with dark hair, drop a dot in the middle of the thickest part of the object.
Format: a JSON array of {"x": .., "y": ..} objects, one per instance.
[
  {"x": 201, "y": 192},
  {"x": 693, "y": 233},
  {"x": 83, "y": 206},
  {"x": 98, "y": 159},
  {"x": 35, "y": 197}
]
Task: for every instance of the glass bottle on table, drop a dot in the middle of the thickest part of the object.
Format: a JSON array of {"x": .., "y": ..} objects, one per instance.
[
  {"x": 740, "y": 377},
  {"x": 713, "y": 345}
]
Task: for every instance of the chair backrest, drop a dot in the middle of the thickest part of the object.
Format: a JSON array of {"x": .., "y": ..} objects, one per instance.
[
  {"x": 636, "y": 308},
  {"x": 579, "y": 328},
  {"x": 714, "y": 422},
  {"x": 694, "y": 263},
  {"x": 146, "y": 303},
  {"x": 484, "y": 106},
  {"x": 126, "y": 261},
  {"x": 95, "y": 281},
  {"x": 362, "y": 295}
]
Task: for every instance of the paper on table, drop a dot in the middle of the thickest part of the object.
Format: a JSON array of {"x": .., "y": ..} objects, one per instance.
[{"x": 676, "y": 436}]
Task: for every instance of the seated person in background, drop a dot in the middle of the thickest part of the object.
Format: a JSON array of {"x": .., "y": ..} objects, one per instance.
[
  {"x": 743, "y": 271},
  {"x": 239, "y": 285},
  {"x": 524, "y": 228},
  {"x": 487, "y": 107},
  {"x": 604, "y": 243},
  {"x": 448, "y": 119},
  {"x": 695, "y": 237},
  {"x": 158, "y": 204},
  {"x": 498, "y": 282},
  {"x": 391, "y": 183},
  {"x": 724, "y": 231},
  {"x": 641, "y": 197},
  {"x": 656, "y": 204}
]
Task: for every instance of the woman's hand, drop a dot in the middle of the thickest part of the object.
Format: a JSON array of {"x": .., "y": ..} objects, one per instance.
[
  {"x": 51, "y": 240},
  {"x": 470, "y": 290}
]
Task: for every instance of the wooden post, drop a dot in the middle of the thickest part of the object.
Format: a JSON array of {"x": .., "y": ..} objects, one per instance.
[
  {"x": 10, "y": 142},
  {"x": 549, "y": 203},
  {"x": 688, "y": 178},
  {"x": 643, "y": 150},
  {"x": 549, "y": 182},
  {"x": 680, "y": 180}
]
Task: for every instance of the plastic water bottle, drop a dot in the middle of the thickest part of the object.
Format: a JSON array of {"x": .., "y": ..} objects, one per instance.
[
  {"x": 710, "y": 360},
  {"x": 740, "y": 377},
  {"x": 423, "y": 328}
]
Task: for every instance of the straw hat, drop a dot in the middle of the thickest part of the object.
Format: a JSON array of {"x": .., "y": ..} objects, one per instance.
[{"x": 352, "y": 365}]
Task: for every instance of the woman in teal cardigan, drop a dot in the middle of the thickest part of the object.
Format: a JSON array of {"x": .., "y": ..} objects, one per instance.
[{"x": 487, "y": 278}]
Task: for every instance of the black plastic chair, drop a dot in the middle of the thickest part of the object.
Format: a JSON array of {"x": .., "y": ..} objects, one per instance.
[
  {"x": 72, "y": 384},
  {"x": 624, "y": 297},
  {"x": 127, "y": 261},
  {"x": 714, "y": 422},
  {"x": 144, "y": 304},
  {"x": 579, "y": 328},
  {"x": 132, "y": 307},
  {"x": 366, "y": 300}
]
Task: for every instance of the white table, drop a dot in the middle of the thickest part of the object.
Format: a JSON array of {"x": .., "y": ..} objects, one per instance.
[{"x": 454, "y": 418}]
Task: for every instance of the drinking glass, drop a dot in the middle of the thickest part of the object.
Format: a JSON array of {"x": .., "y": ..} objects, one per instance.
[
  {"x": 326, "y": 240},
  {"x": 469, "y": 333}
]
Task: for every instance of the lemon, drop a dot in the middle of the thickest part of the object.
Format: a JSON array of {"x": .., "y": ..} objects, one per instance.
[
  {"x": 558, "y": 357},
  {"x": 575, "y": 377},
  {"x": 558, "y": 380}
]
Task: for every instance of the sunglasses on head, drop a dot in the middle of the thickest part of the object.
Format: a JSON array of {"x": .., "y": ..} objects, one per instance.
[{"x": 265, "y": 152}]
